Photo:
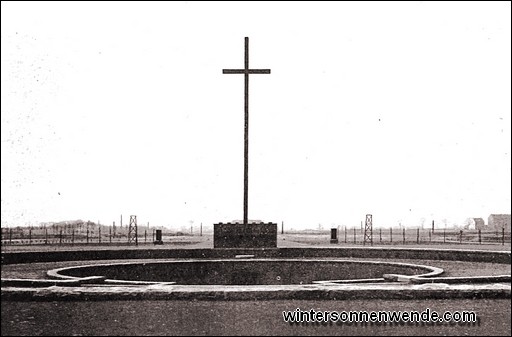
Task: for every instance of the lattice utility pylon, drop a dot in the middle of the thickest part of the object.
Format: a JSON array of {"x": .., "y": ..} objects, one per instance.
[
  {"x": 368, "y": 230},
  {"x": 132, "y": 230}
]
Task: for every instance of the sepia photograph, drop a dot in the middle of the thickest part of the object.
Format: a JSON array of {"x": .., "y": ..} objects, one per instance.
[{"x": 226, "y": 168}]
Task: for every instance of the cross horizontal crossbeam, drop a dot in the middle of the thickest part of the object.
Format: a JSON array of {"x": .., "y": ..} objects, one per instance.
[{"x": 246, "y": 71}]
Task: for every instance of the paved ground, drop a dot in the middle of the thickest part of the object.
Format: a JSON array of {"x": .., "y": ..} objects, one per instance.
[
  {"x": 241, "y": 317},
  {"x": 235, "y": 318}
]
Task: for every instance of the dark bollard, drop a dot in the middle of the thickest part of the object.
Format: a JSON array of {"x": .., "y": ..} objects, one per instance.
[
  {"x": 480, "y": 236},
  {"x": 460, "y": 237},
  {"x": 158, "y": 240},
  {"x": 345, "y": 234},
  {"x": 354, "y": 235},
  {"x": 418, "y": 236},
  {"x": 503, "y": 236},
  {"x": 334, "y": 235},
  {"x": 391, "y": 234},
  {"x": 404, "y": 235}
]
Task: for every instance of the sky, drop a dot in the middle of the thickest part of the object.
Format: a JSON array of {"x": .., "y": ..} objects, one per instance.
[{"x": 401, "y": 110}]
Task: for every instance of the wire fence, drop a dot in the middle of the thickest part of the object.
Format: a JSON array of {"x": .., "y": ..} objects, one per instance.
[
  {"x": 407, "y": 236},
  {"x": 104, "y": 235},
  {"x": 97, "y": 235}
]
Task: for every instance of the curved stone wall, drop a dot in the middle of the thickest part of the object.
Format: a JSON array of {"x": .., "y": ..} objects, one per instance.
[{"x": 367, "y": 252}]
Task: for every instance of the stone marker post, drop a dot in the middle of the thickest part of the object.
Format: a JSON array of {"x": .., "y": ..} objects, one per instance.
[
  {"x": 158, "y": 240},
  {"x": 334, "y": 235}
]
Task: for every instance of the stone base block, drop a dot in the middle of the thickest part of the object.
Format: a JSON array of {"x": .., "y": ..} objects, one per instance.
[{"x": 235, "y": 235}]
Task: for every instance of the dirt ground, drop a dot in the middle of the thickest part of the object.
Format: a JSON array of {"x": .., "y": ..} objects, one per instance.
[{"x": 283, "y": 241}]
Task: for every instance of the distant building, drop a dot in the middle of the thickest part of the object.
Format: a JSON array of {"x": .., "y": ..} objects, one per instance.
[
  {"x": 499, "y": 221},
  {"x": 476, "y": 223}
]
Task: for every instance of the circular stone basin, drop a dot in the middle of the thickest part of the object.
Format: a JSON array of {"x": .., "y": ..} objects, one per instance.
[{"x": 244, "y": 271}]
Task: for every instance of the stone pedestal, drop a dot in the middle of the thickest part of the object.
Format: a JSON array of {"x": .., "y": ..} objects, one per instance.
[
  {"x": 158, "y": 240},
  {"x": 334, "y": 235},
  {"x": 237, "y": 235}
]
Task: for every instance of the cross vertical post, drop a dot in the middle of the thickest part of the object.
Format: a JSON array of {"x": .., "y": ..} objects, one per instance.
[
  {"x": 246, "y": 71},
  {"x": 246, "y": 132}
]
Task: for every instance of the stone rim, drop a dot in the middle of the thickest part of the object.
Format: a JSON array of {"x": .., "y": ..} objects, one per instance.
[{"x": 430, "y": 271}]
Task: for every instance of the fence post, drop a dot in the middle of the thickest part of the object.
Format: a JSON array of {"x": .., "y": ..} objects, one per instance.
[
  {"x": 354, "y": 235},
  {"x": 380, "y": 234},
  {"x": 391, "y": 234},
  {"x": 417, "y": 235},
  {"x": 73, "y": 236},
  {"x": 60, "y": 237},
  {"x": 10, "y": 236},
  {"x": 87, "y": 236},
  {"x": 110, "y": 234},
  {"x": 444, "y": 236},
  {"x": 403, "y": 235},
  {"x": 46, "y": 236},
  {"x": 345, "y": 234},
  {"x": 503, "y": 236},
  {"x": 145, "y": 236},
  {"x": 30, "y": 236},
  {"x": 99, "y": 234},
  {"x": 480, "y": 236},
  {"x": 460, "y": 238}
]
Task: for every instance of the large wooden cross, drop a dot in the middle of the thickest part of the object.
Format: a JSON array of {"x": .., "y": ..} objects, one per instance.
[{"x": 246, "y": 71}]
